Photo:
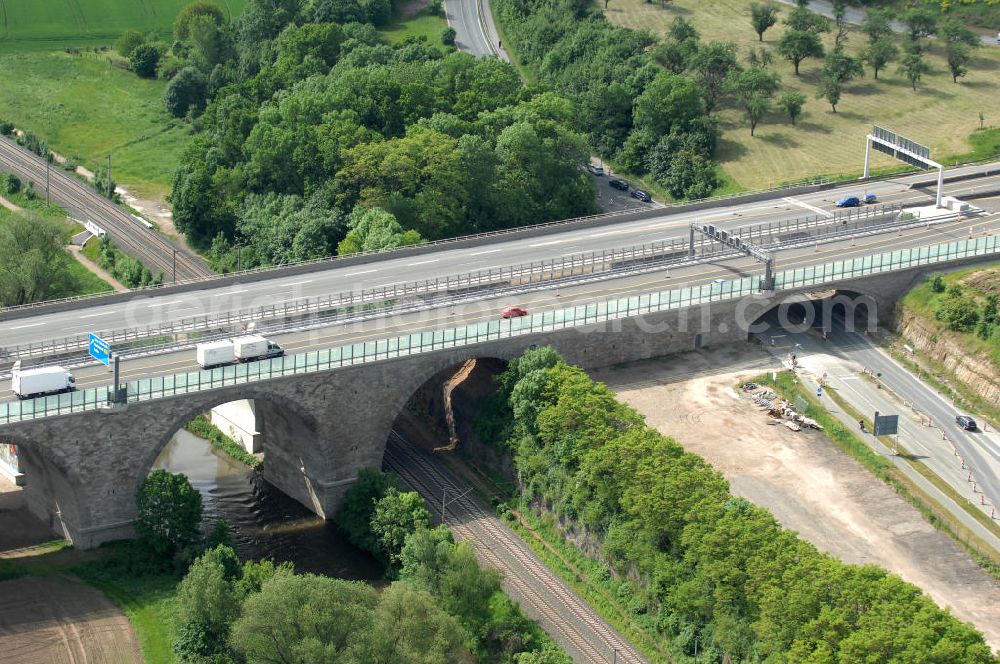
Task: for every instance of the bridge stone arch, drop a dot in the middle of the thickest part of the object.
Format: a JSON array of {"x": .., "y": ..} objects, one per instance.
[
  {"x": 52, "y": 484},
  {"x": 295, "y": 448}
]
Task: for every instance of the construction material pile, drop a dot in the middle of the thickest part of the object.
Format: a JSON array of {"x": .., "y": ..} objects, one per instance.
[{"x": 778, "y": 409}]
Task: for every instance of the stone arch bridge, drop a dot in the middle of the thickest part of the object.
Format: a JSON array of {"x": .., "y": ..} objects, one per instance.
[{"x": 82, "y": 469}]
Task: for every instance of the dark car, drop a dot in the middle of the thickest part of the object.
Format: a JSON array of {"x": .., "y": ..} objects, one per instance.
[
  {"x": 513, "y": 312},
  {"x": 965, "y": 422},
  {"x": 641, "y": 195},
  {"x": 849, "y": 201},
  {"x": 871, "y": 198},
  {"x": 619, "y": 184}
]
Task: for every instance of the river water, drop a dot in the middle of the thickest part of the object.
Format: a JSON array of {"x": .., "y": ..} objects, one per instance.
[{"x": 265, "y": 523}]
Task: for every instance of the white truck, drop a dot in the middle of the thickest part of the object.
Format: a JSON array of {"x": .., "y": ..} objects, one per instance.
[
  {"x": 28, "y": 383},
  {"x": 240, "y": 349}
]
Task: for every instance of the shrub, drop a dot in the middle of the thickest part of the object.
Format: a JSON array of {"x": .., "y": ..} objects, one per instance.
[
  {"x": 129, "y": 41},
  {"x": 448, "y": 36},
  {"x": 9, "y": 183},
  {"x": 6, "y": 127},
  {"x": 143, "y": 60},
  {"x": 937, "y": 283},
  {"x": 169, "y": 513}
]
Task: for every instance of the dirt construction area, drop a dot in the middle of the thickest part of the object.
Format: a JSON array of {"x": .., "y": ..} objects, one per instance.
[
  {"x": 54, "y": 619},
  {"x": 801, "y": 477}
]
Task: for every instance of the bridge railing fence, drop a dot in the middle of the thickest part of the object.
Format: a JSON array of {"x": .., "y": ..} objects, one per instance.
[
  {"x": 546, "y": 321},
  {"x": 212, "y": 326}
]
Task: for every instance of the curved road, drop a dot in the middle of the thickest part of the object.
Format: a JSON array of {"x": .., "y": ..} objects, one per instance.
[
  {"x": 154, "y": 250},
  {"x": 475, "y": 32}
]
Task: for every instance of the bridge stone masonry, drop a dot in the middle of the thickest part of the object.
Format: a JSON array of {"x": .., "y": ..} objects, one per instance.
[{"x": 320, "y": 428}]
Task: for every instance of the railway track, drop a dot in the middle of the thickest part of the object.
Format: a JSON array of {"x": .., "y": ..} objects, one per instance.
[
  {"x": 561, "y": 612},
  {"x": 155, "y": 251}
]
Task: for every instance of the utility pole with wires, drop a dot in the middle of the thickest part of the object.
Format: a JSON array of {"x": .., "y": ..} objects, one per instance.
[{"x": 110, "y": 192}]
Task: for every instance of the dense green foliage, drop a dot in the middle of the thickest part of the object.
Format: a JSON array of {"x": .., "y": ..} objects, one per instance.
[
  {"x": 310, "y": 121},
  {"x": 443, "y": 608},
  {"x": 628, "y": 96},
  {"x": 169, "y": 513},
  {"x": 33, "y": 265},
  {"x": 127, "y": 270},
  {"x": 717, "y": 569},
  {"x": 964, "y": 308}
]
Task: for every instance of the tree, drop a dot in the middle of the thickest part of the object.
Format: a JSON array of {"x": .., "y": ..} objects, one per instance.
[
  {"x": 374, "y": 229},
  {"x": 954, "y": 31},
  {"x": 410, "y": 628},
  {"x": 879, "y": 53},
  {"x": 838, "y": 69},
  {"x": 840, "y": 21},
  {"x": 208, "y": 8},
  {"x": 397, "y": 515},
  {"x": 448, "y": 36},
  {"x": 355, "y": 513},
  {"x": 754, "y": 87},
  {"x": 168, "y": 513},
  {"x": 128, "y": 42},
  {"x": 669, "y": 100},
  {"x": 33, "y": 265},
  {"x": 791, "y": 102},
  {"x": 303, "y": 619},
  {"x": 713, "y": 63},
  {"x": 762, "y": 17},
  {"x": 759, "y": 57},
  {"x": 803, "y": 20},
  {"x": 143, "y": 60},
  {"x": 877, "y": 23},
  {"x": 958, "y": 312},
  {"x": 913, "y": 65},
  {"x": 797, "y": 45},
  {"x": 920, "y": 22},
  {"x": 958, "y": 56},
  {"x": 207, "y": 604},
  {"x": 186, "y": 90}
]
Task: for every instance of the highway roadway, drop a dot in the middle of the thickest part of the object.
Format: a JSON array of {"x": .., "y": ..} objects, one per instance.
[
  {"x": 228, "y": 294},
  {"x": 154, "y": 250},
  {"x": 844, "y": 355},
  {"x": 474, "y": 30},
  {"x": 487, "y": 309}
]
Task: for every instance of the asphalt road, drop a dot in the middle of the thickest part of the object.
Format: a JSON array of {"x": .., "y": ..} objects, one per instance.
[
  {"x": 229, "y": 295},
  {"x": 154, "y": 250},
  {"x": 473, "y": 34},
  {"x": 487, "y": 309},
  {"x": 843, "y": 356}
]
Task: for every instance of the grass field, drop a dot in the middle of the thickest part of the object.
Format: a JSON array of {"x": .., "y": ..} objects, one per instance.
[
  {"x": 940, "y": 114},
  {"x": 419, "y": 25},
  {"x": 32, "y": 25},
  {"x": 87, "y": 108}
]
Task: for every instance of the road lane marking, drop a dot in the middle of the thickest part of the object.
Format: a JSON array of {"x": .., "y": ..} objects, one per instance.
[
  {"x": 104, "y": 313},
  {"x": 21, "y": 327},
  {"x": 488, "y": 251},
  {"x": 817, "y": 210},
  {"x": 163, "y": 304},
  {"x": 354, "y": 334},
  {"x": 235, "y": 292},
  {"x": 352, "y": 274},
  {"x": 547, "y": 244},
  {"x": 433, "y": 260},
  {"x": 299, "y": 283}
]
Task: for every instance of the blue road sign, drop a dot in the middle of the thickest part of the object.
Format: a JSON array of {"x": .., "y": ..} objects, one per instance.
[{"x": 100, "y": 349}]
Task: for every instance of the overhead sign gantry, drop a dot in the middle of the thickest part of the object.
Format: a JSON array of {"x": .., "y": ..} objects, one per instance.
[
  {"x": 736, "y": 242},
  {"x": 904, "y": 149}
]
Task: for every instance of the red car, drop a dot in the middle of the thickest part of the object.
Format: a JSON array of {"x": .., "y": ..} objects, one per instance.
[{"x": 513, "y": 312}]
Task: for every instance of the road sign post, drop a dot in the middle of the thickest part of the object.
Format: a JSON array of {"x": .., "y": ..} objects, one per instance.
[{"x": 99, "y": 349}]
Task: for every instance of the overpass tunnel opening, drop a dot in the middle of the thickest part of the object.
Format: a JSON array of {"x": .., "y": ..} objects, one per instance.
[
  {"x": 38, "y": 497},
  {"x": 446, "y": 414},
  {"x": 821, "y": 313},
  {"x": 268, "y": 509}
]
